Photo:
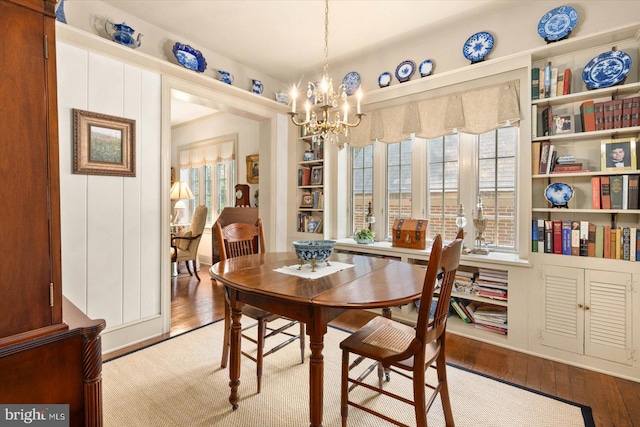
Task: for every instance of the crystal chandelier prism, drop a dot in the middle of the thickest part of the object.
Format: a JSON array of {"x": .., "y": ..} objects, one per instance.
[{"x": 321, "y": 114}]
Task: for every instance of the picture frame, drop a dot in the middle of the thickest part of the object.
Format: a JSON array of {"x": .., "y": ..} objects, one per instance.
[
  {"x": 307, "y": 201},
  {"x": 563, "y": 123},
  {"x": 618, "y": 154},
  {"x": 316, "y": 175},
  {"x": 103, "y": 144},
  {"x": 253, "y": 169}
]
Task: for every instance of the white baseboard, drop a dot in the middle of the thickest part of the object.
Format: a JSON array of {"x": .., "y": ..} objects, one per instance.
[{"x": 132, "y": 333}]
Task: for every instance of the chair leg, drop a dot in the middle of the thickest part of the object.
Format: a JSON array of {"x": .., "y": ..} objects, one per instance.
[
  {"x": 419, "y": 401},
  {"x": 186, "y": 263},
  {"x": 344, "y": 391},
  {"x": 227, "y": 335},
  {"x": 441, "y": 368},
  {"x": 195, "y": 269},
  {"x": 302, "y": 343},
  {"x": 262, "y": 326}
]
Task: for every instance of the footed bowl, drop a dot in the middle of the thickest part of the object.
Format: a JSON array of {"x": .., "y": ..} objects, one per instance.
[{"x": 313, "y": 251}]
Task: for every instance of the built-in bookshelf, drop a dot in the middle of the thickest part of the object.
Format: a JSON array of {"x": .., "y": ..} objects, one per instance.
[
  {"x": 580, "y": 127},
  {"x": 310, "y": 185}
]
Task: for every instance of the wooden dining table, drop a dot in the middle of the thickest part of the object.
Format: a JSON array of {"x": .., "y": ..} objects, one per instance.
[{"x": 371, "y": 283}]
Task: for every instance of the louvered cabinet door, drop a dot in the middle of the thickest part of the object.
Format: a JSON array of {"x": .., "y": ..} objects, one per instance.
[
  {"x": 562, "y": 308},
  {"x": 608, "y": 316}
]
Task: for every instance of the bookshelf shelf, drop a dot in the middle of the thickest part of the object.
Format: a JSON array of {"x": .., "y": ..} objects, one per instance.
[
  {"x": 614, "y": 91},
  {"x": 585, "y": 174},
  {"x": 587, "y": 211},
  {"x": 599, "y": 134},
  {"x": 310, "y": 186}
]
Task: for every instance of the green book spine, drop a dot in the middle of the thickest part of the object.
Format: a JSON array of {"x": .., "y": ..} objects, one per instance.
[
  {"x": 599, "y": 241},
  {"x": 535, "y": 83},
  {"x": 615, "y": 188}
]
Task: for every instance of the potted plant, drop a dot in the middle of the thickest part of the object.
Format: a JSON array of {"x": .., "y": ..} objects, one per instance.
[{"x": 364, "y": 236}]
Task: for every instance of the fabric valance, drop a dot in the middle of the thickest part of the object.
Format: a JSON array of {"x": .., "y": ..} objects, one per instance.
[
  {"x": 475, "y": 112},
  {"x": 206, "y": 154}
]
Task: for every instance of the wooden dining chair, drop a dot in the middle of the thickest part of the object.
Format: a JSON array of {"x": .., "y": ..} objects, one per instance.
[
  {"x": 408, "y": 351},
  {"x": 239, "y": 239}
]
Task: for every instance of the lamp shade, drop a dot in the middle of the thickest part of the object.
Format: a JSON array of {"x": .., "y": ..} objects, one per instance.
[{"x": 180, "y": 190}]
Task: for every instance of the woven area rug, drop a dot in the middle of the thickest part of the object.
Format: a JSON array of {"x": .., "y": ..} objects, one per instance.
[{"x": 179, "y": 382}]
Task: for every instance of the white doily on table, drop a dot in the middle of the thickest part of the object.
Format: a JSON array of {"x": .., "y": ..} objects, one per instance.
[{"x": 322, "y": 269}]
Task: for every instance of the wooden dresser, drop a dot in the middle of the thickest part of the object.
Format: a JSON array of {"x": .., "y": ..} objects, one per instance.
[{"x": 50, "y": 352}]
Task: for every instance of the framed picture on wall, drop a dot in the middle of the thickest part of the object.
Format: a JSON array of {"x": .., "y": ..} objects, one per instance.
[
  {"x": 253, "y": 169},
  {"x": 103, "y": 144}
]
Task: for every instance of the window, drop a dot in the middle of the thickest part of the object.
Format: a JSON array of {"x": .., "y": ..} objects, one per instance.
[
  {"x": 398, "y": 182},
  {"x": 497, "y": 185},
  {"x": 431, "y": 178},
  {"x": 362, "y": 188},
  {"x": 443, "y": 170},
  {"x": 209, "y": 168}
]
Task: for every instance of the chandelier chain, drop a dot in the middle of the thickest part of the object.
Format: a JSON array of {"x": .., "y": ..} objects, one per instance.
[{"x": 326, "y": 38}]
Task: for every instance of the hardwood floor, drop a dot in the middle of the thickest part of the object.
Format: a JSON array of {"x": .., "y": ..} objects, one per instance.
[{"x": 614, "y": 401}]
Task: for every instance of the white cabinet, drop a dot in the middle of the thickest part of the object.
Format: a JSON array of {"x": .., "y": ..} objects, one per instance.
[{"x": 587, "y": 312}]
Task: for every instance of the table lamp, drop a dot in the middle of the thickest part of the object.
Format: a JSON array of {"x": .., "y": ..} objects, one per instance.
[{"x": 179, "y": 191}]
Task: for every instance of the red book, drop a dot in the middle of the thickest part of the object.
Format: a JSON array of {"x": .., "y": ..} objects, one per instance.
[
  {"x": 587, "y": 113},
  {"x": 598, "y": 111},
  {"x": 617, "y": 113},
  {"x": 567, "y": 82},
  {"x": 635, "y": 111},
  {"x": 557, "y": 237},
  {"x": 608, "y": 114},
  {"x": 605, "y": 192},
  {"x": 626, "y": 112},
  {"x": 595, "y": 192}
]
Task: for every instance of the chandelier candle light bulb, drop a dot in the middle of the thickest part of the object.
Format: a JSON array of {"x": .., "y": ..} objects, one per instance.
[{"x": 294, "y": 95}]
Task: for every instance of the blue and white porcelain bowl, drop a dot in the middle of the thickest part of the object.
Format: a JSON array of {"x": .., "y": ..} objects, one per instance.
[{"x": 313, "y": 251}]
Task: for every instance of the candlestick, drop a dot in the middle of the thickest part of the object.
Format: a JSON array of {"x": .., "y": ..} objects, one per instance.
[
  {"x": 359, "y": 98},
  {"x": 294, "y": 95},
  {"x": 346, "y": 111},
  {"x": 307, "y": 108}
]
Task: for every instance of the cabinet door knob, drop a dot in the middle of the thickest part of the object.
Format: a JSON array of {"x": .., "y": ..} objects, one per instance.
[
  {"x": 586, "y": 307},
  {"x": 579, "y": 305}
]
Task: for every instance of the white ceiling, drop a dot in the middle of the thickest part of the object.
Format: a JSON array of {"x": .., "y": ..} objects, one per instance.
[{"x": 285, "y": 38}]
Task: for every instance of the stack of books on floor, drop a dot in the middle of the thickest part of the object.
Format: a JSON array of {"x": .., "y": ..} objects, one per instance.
[{"x": 492, "y": 284}]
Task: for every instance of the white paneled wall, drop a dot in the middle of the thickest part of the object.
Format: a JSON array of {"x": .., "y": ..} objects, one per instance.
[{"x": 111, "y": 226}]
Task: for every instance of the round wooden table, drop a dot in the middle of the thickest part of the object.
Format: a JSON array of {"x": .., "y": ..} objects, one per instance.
[{"x": 371, "y": 283}]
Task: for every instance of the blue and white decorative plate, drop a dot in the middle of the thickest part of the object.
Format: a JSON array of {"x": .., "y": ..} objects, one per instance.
[
  {"x": 478, "y": 46},
  {"x": 384, "y": 79},
  {"x": 405, "y": 70},
  {"x": 425, "y": 68},
  {"x": 557, "y": 23},
  {"x": 558, "y": 193},
  {"x": 351, "y": 82},
  {"x": 607, "y": 69},
  {"x": 189, "y": 57}
]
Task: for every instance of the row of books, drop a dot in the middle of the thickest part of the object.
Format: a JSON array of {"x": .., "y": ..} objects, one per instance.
[
  {"x": 486, "y": 283},
  {"x": 545, "y": 160},
  {"x": 584, "y": 238},
  {"x": 614, "y": 114},
  {"x": 484, "y": 316},
  {"x": 308, "y": 223},
  {"x": 549, "y": 81},
  {"x": 615, "y": 192}
]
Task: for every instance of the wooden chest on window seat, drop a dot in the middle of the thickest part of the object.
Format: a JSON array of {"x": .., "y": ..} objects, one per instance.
[{"x": 410, "y": 233}]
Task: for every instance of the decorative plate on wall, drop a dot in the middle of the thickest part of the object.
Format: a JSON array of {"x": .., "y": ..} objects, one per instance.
[
  {"x": 405, "y": 70},
  {"x": 384, "y": 79},
  {"x": 425, "y": 68},
  {"x": 607, "y": 69},
  {"x": 557, "y": 23},
  {"x": 189, "y": 57},
  {"x": 478, "y": 46},
  {"x": 351, "y": 82},
  {"x": 558, "y": 194}
]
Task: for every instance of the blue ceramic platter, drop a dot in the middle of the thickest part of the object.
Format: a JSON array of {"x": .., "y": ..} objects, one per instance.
[
  {"x": 405, "y": 70},
  {"x": 607, "y": 69},
  {"x": 351, "y": 82},
  {"x": 558, "y": 193},
  {"x": 384, "y": 79},
  {"x": 478, "y": 46},
  {"x": 425, "y": 68},
  {"x": 189, "y": 57},
  {"x": 557, "y": 23}
]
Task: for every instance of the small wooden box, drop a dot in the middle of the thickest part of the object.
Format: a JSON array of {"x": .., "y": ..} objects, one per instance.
[{"x": 410, "y": 233}]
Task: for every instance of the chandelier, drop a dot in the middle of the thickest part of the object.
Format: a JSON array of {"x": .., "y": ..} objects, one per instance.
[{"x": 321, "y": 98}]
